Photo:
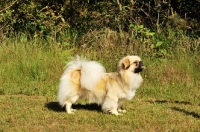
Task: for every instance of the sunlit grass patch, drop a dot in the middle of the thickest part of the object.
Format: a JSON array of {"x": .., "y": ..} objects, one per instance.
[
  {"x": 142, "y": 114},
  {"x": 29, "y": 69}
]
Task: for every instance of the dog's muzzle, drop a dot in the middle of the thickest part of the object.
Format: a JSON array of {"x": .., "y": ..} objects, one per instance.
[{"x": 139, "y": 68}]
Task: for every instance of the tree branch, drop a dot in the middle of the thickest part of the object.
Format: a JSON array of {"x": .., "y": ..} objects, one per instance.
[
  {"x": 119, "y": 4},
  {"x": 8, "y": 6}
]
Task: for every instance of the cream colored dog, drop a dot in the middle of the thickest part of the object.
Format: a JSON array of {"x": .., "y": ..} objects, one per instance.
[{"x": 88, "y": 80}]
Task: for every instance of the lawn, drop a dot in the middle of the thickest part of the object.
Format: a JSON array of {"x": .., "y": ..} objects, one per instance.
[
  {"x": 40, "y": 113},
  {"x": 168, "y": 99}
]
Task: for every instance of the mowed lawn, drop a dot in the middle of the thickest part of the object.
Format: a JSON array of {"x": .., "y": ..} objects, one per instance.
[{"x": 40, "y": 113}]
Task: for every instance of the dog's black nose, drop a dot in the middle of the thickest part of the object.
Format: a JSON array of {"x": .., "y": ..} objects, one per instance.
[
  {"x": 141, "y": 65},
  {"x": 139, "y": 68}
]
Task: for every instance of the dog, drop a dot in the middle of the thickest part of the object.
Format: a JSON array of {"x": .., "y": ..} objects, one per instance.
[{"x": 83, "y": 79}]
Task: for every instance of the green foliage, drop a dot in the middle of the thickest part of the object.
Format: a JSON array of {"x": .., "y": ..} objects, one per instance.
[
  {"x": 32, "y": 17},
  {"x": 140, "y": 32},
  {"x": 156, "y": 50},
  {"x": 50, "y": 17}
]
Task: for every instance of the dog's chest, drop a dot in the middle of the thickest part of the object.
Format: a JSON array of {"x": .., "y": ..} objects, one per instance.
[
  {"x": 127, "y": 94},
  {"x": 130, "y": 94}
]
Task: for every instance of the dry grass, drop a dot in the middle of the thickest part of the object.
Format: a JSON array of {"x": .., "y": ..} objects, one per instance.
[{"x": 39, "y": 113}]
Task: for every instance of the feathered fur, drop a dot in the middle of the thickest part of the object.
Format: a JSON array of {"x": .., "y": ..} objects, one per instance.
[{"x": 87, "y": 79}]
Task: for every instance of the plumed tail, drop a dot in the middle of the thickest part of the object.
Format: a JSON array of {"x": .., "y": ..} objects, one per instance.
[{"x": 91, "y": 71}]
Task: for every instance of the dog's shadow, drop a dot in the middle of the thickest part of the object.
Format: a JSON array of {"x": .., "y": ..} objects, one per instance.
[
  {"x": 54, "y": 106},
  {"x": 191, "y": 113}
]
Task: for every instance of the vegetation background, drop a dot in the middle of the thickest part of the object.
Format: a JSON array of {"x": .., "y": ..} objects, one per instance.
[{"x": 38, "y": 37}]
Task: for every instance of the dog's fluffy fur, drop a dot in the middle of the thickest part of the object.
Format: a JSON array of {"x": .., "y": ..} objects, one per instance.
[{"x": 88, "y": 80}]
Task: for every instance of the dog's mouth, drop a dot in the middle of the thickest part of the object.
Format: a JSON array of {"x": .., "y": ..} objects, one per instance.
[
  {"x": 138, "y": 70},
  {"x": 140, "y": 67}
]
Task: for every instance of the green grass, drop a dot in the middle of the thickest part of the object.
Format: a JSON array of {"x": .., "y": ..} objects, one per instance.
[
  {"x": 40, "y": 113},
  {"x": 29, "y": 69},
  {"x": 168, "y": 100}
]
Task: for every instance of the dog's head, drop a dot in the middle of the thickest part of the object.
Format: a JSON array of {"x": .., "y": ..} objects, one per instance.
[{"x": 131, "y": 63}]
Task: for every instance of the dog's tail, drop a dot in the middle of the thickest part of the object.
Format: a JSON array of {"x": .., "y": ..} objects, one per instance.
[{"x": 91, "y": 71}]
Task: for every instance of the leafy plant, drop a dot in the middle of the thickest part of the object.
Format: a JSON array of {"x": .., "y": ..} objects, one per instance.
[
  {"x": 50, "y": 17},
  {"x": 33, "y": 18},
  {"x": 141, "y": 33}
]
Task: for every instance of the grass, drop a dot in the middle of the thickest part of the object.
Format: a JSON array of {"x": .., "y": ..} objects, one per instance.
[
  {"x": 41, "y": 113},
  {"x": 28, "y": 69},
  {"x": 168, "y": 100}
]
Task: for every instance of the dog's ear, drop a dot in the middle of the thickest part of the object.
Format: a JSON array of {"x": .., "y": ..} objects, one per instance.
[{"x": 125, "y": 63}]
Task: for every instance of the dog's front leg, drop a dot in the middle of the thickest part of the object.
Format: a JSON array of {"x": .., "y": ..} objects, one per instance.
[
  {"x": 121, "y": 110},
  {"x": 110, "y": 105},
  {"x": 119, "y": 107},
  {"x": 114, "y": 111}
]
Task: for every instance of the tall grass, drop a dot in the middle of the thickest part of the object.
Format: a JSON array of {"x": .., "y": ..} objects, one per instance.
[{"x": 33, "y": 67}]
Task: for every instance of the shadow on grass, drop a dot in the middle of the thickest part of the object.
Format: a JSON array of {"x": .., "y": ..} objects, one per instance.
[
  {"x": 54, "y": 106},
  {"x": 169, "y": 101},
  {"x": 195, "y": 115}
]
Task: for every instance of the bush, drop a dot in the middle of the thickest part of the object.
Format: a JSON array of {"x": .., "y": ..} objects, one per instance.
[
  {"x": 32, "y": 17},
  {"x": 50, "y": 17}
]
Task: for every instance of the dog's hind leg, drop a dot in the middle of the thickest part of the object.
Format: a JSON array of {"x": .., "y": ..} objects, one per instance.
[
  {"x": 68, "y": 107},
  {"x": 68, "y": 104}
]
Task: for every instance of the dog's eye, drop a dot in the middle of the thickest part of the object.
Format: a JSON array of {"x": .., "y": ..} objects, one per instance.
[{"x": 135, "y": 63}]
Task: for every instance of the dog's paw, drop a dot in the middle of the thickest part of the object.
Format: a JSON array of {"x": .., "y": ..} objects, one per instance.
[
  {"x": 114, "y": 112},
  {"x": 122, "y": 111},
  {"x": 73, "y": 110},
  {"x": 70, "y": 112}
]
